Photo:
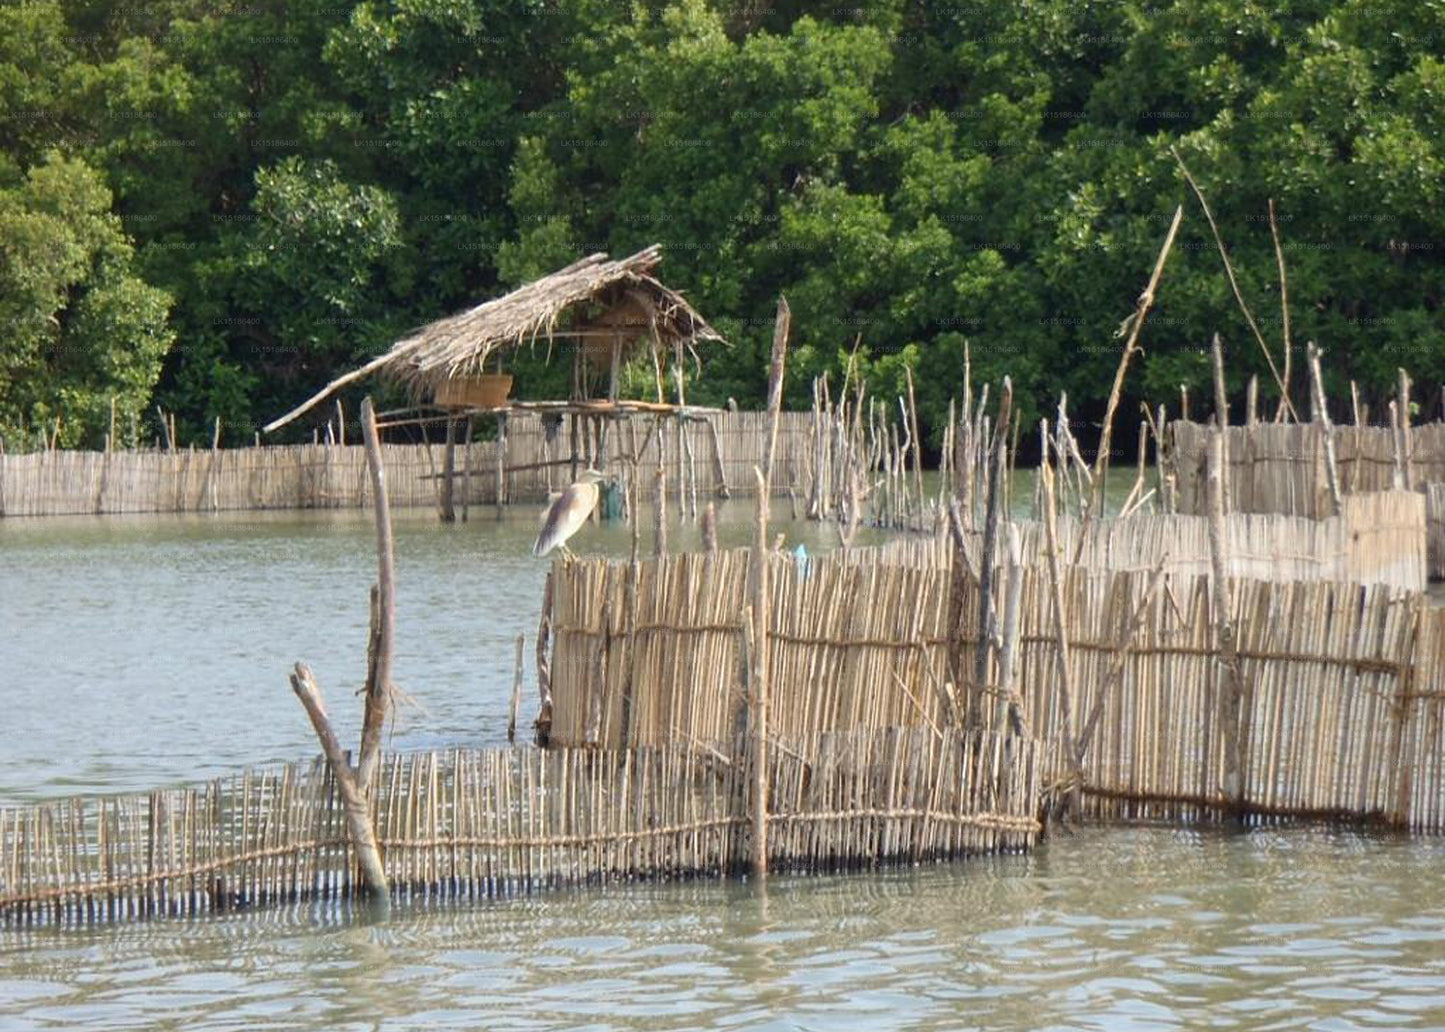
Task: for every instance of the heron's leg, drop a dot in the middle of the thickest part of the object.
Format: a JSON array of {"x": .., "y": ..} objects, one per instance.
[{"x": 568, "y": 556}]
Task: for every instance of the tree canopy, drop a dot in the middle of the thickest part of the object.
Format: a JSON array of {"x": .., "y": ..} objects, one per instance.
[{"x": 217, "y": 207}]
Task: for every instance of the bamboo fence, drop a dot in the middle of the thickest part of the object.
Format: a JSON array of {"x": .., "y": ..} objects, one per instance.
[
  {"x": 1344, "y": 682},
  {"x": 476, "y": 824},
  {"x": 671, "y": 671},
  {"x": 1280, "y": 468},
  {"x": 717, "y": 449}
]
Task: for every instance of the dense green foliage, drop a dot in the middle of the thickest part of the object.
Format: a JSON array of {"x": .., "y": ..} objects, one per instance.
[{"x": 216, "y": 206}]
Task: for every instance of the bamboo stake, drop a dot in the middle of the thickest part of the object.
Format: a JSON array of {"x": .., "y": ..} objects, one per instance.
[
  {"x": 1221, "y": 415},
  {"x": 379, "y": 688},
  {"x": 1231, "y": 698},
  {"x": 1075, "y": 796},
  {"x": 988, "y": 552},
  {"x": 1134, "y": 324},
  {"x": 1406, "y": 445},
  {"x": 1326, "y": 428}
]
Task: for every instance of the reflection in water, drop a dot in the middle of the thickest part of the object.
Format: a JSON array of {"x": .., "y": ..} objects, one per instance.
[{"x": 1143, "y": 928}]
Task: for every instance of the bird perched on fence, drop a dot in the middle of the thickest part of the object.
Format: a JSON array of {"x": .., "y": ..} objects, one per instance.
[{"x": 567, "y": 513}]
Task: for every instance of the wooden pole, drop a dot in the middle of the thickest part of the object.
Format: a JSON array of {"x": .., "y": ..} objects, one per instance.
[
  {"x": 379, "y": 687},
  {"x": 516, "y": 692},
  {"x": 449, "y": 468},
  {"x": 466, "y": 466},
  {"x": 1221, "y": 412},
  {"x": 1075, "y": 796},
  {"x": 1407, "y": 456},
  {"x": 544, "y": 665},
  {"x": 758, "y": 609},
  {"x": 1251, "y": 402},
  {"x": 1008, "y": 655},
  {"x": 501, "y": 471},
  {"x": 1231, "y": 697},
  {"x": 709, "y": 528},
  {"x": 1135, "y": 323},
  {"x": 354, "y": 800},
  {"x": 988, "y": 552},
  {"x": 659, "y": 496}
]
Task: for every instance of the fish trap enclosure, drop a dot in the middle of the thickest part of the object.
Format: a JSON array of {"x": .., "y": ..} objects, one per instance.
[
  {"x": 475, "y": 824},
  {"x": 1342, "y": 705}
]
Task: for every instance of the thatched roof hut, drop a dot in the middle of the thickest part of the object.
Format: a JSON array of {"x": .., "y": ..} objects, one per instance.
[{"x": 606, "y": 308}]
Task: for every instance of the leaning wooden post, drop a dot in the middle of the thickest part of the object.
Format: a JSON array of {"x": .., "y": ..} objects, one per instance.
[
  {"x": 1135, "y": 323},
  {"x": 1231, "y": 698},
  {"x": 449, "y": 469},
  {"x": 378, "y": 687},
  {"x": 1324, "y": 426},
  {"x": 354, "y": 800}
]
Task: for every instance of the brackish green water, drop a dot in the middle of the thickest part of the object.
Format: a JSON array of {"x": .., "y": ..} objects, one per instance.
[{"x": 154, "y": 651}]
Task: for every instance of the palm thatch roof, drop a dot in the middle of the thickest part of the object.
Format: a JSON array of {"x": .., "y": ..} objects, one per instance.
[{"x": 598, "y": 301}]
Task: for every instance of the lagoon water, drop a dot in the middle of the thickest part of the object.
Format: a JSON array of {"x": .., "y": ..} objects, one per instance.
[{"x": 150, "y": 651}]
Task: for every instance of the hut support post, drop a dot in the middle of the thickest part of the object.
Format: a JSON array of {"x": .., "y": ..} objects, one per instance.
[
  {"x": 378, "y": 685},
  {"x": 467, "y": 467},
  {"x": 449, "y": 468},
  {"x": 501, "y": 474},
  {"x": 359, "y": 825}
]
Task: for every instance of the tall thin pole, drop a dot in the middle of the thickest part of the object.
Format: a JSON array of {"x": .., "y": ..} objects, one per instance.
[
  {"x": 378, "y": 687},
  {"x": 759, "y": 615}
]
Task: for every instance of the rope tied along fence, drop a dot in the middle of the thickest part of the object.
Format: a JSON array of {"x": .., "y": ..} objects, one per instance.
[
  {"x": 476, "y": 824},
  {"x": 1344, "y": 684}
]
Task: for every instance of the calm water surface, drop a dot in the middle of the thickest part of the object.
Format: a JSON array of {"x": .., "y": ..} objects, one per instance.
[
  {"x": 152, "y": 651},
  {"x": 1118, "y": 929}
]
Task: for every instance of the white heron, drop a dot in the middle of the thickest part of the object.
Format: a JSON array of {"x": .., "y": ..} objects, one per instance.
[{"x": 568, "y": 511}]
